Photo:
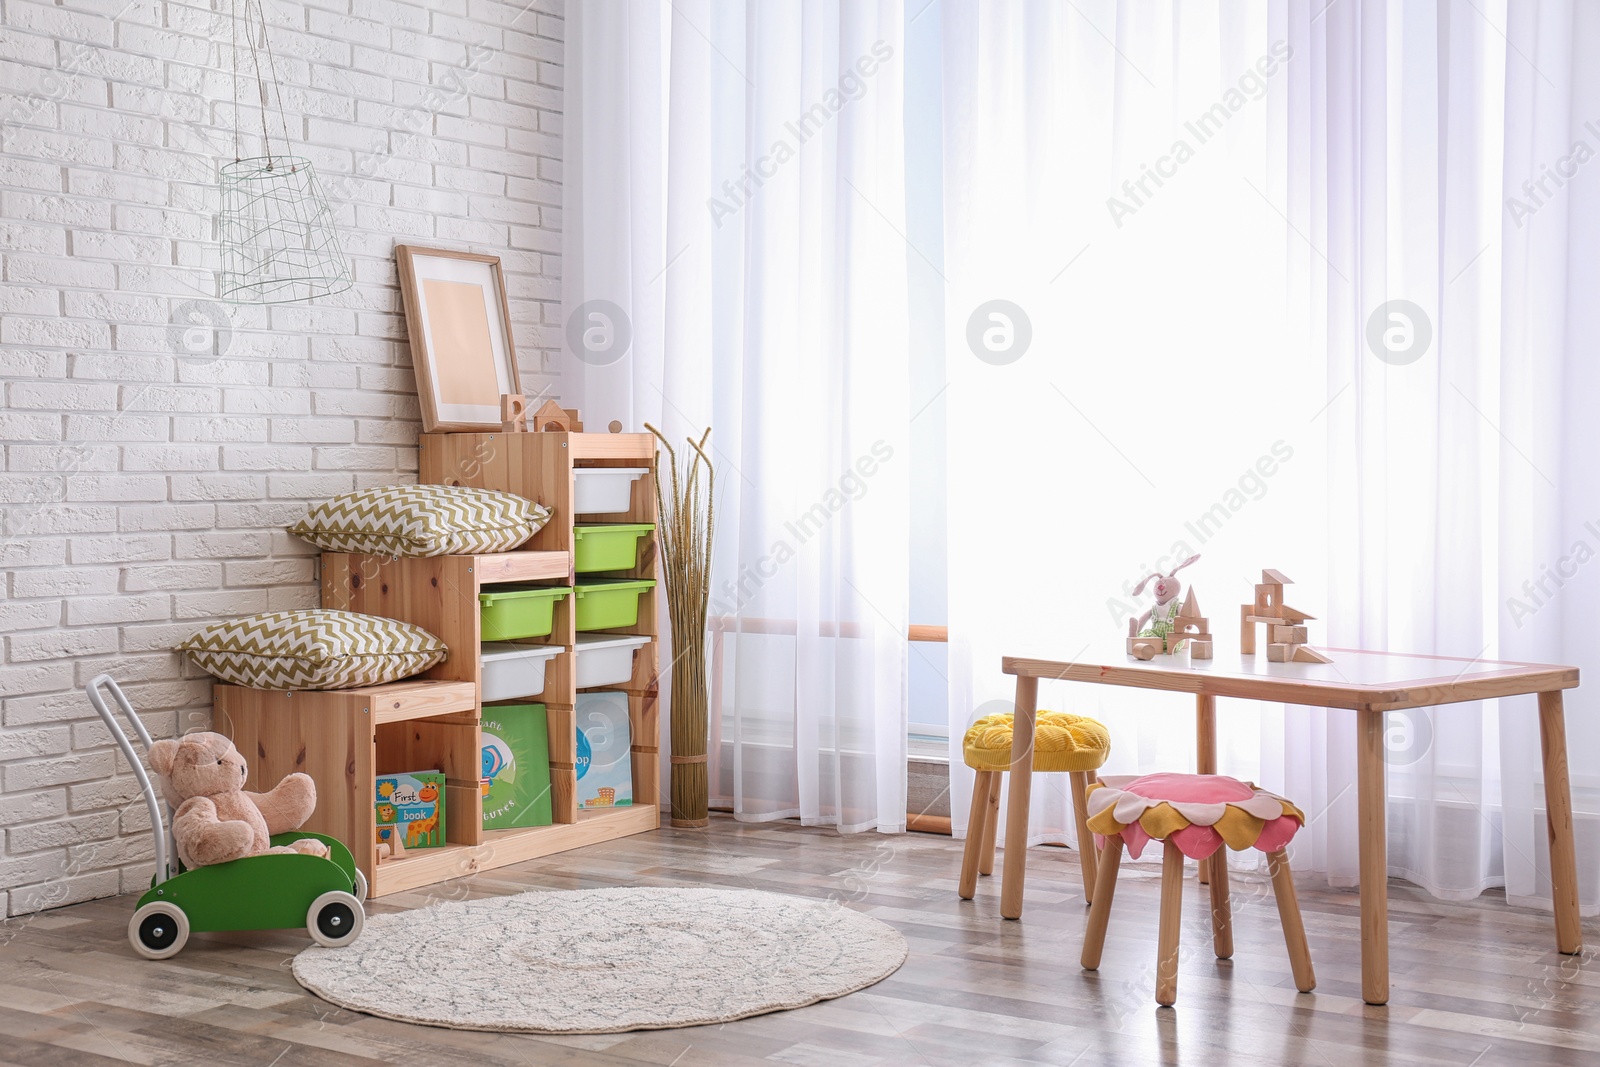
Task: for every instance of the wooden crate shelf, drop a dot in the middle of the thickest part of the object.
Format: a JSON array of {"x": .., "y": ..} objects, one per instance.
[
  {"x": 540, "y": 466},
  {"x": 345, "y": 739}
]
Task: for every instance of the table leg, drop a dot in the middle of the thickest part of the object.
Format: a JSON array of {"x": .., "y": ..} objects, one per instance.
[
  {"x": 1016, "y": 860},
  {"x": 1371, "y": 796},
  {"x": 1205, "y": 722},
  {"x": 1558, "y": 822}
]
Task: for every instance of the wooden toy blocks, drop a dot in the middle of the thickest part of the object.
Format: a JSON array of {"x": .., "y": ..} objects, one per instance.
[
  {"x": 1187, "y": 626},
  {"x": 1286, "y": 637},
  {"x": 1142, "y": 648},
  {"x": 513, "y": 413},
  {"x": 1191, "y": 626}
]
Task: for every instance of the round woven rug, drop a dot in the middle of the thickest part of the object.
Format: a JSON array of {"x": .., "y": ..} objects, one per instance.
[{"x": 603, "y": 960}]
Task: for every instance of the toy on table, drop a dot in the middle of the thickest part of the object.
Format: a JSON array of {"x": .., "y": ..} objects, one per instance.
[
  {"x": 1158, "y": 637},
  {"x": 1191, "y": 626},
  {"x": 287, "y": 885},
  {"x": 1286, "y": 634}
]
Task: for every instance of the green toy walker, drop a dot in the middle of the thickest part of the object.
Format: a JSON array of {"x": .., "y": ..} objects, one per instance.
[{"x": 269, "y": 892}]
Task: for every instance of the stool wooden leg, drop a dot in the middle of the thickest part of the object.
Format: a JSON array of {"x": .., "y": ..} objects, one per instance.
[
  {"x": 1221, "y": 905},
  {"x": 1171, "y": 919},
  {"x": 975, "y": 831},
  {"x": 1105, "y": 887},
  {"x": 991, "y": 822},
  {"x": 1294, "y": 930},
  {"x": 1205, "y": 721},
  {"x": 1086, "y": 849}
]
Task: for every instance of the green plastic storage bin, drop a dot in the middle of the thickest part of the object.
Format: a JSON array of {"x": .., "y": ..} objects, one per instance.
[
  {"x": 512, "y": 612},
  {"x": 612, "y": 546},
  {"x": 606, "y": 603}
]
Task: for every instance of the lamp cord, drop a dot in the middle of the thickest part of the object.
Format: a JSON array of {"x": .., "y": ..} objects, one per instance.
[
  {"x": 264, "y": 101},
  {"x": 238, "y": 148}
]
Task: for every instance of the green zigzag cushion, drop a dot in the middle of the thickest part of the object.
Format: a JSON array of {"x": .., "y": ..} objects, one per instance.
[
  {"x": 422, "y": 520},
  {"x": 316, "y": 648}
]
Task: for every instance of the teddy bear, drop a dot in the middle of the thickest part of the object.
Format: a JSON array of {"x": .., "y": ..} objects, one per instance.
[{"x": 215, "y": 819}]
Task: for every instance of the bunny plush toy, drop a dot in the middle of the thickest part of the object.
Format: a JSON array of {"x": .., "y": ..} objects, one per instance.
[{"x": 1157, "y": 621}]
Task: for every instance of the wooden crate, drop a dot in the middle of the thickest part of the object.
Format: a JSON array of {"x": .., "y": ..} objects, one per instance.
[{"x": 342, "y": 738}]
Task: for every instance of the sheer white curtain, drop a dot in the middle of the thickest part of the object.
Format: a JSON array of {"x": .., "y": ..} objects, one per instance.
[
  {"x": 1108, "y": 174},
  {"x": 1435, "y": 169},
  {"x": 1199, "y": 251},
  {"x": 735, "y": 189}
]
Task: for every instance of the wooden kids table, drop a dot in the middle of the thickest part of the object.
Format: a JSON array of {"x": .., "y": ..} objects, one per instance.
[{"x": 1367, "y": 683}]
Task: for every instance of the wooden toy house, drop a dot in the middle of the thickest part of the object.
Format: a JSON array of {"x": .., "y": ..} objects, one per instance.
[{"x": 1286, "y": 636}]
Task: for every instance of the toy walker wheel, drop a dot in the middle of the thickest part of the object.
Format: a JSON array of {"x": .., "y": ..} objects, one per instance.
[
  {"x": 158, "y": 930},
  {"x": 361, "y": 887},
  {"x": 335, "y": 919}
]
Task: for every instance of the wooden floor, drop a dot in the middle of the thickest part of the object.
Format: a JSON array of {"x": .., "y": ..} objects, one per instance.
[{"x": 1474, "y": 984}]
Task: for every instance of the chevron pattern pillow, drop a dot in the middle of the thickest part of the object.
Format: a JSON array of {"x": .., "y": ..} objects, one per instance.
[
  {"x": 316, "y": 648},
  {"x": 422, "y": 520}
]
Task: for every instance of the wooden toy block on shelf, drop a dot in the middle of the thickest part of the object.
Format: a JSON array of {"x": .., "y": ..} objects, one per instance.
[
  {"x": 1286, "y": 637},
  {"x": 513, "y": 413},
  {"x": 553, "y": 418}
]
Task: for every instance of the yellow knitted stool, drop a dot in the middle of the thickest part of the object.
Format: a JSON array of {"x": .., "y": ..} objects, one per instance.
[{"x": 1074, "y": 744}]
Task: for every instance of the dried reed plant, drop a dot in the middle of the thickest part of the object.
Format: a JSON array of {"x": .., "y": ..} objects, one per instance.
[{"x": 685, "y": 525}]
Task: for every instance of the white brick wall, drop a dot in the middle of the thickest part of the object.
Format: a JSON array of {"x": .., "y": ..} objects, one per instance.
[{"x": 145, "y": 488}]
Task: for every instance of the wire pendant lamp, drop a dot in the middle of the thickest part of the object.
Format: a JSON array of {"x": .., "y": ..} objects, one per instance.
[{"x": 279, "y": 244}]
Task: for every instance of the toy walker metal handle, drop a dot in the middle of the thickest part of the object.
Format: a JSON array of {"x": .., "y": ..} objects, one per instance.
[{"x": 152, "y": 800}]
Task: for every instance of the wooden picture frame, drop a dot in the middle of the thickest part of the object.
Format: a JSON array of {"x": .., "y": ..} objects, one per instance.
[{"x": 459, "y": 323}]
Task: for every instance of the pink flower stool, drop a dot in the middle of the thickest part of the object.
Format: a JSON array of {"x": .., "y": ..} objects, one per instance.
[{"x": 1193, "y": 815}]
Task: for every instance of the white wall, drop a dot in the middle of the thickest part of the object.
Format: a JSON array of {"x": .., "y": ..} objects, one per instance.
[{"x": 146, "y": 485}]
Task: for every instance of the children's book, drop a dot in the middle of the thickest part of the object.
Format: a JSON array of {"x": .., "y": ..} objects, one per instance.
[
  {"x": 516, "y": 766},
  {"x": 605, "y": 751},
  {"x": 413, "y": 801}
]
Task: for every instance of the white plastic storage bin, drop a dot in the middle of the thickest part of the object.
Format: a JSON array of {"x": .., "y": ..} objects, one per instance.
[
  {"x": 606, "y": 659},
  {"x": 511, "y": 670},
  {"x": 604, "y": 490}
]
